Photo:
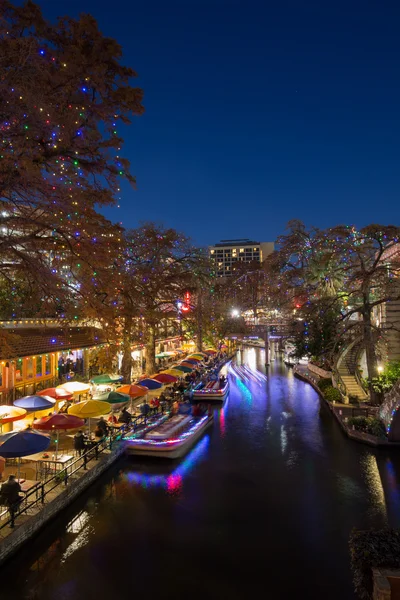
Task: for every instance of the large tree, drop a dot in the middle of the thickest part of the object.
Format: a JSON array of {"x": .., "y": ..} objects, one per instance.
[
  {"x": 63, "y": 93},
  {"x": 345, "y": 272},
  {"x": 159, "y": 266}
]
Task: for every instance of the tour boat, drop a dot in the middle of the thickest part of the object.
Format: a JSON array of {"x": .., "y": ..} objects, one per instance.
[
  {"x": 170, "y": 439},
  {"x": 213, "y": 390}
]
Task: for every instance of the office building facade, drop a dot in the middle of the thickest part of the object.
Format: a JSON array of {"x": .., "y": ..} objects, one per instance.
[{"x": 228, "y": 253}]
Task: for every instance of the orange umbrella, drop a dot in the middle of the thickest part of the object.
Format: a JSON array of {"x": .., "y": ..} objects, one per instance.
[{"x": 134, "y": 391}]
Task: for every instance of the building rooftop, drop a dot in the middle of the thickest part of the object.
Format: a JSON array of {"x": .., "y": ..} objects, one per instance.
[{"x": 237, "y": 242}]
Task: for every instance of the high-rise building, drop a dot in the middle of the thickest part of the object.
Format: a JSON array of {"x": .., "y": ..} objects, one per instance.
[{"x": 227, "y": 253}]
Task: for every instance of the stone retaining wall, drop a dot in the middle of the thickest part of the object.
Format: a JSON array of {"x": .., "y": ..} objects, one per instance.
[
  {"x": 358, "y": 436},
  {"x": 318, "y": 371},
  {"x": 22, "y": 533}
]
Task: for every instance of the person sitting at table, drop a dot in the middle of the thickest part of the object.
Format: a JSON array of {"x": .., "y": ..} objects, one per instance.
[
  {"x": 98, "y": 434},
  {"x": 79, "y": 442},
  {"x": 124, "y": 416},
  {"x": 10, "y": 493},
  {"x": 102, "y": 425}
]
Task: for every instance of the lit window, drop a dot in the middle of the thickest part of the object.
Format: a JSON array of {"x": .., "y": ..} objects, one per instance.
[
  {"x": 241, "y": 250},
  {"x": 212, "y": 251},
  {"x": 255, "y": 249}
]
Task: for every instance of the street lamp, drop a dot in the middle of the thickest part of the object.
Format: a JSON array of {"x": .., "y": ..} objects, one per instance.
[{"x": 235, "y": 313}]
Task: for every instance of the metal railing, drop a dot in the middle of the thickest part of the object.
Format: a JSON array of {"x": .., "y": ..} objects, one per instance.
[{"x": 38, "y": 493}]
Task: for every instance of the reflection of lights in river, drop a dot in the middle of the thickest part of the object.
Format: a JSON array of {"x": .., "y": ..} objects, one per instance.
[
  {"x": 173, "y": 482},
  {"x": 80, "y": 526}
]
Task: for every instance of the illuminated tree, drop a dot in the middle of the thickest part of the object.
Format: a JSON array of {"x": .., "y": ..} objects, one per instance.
[
  {"x": 348, "y": 272},
  {"x": 63, "y": 93},
  {"x": 160, "y": 265}
]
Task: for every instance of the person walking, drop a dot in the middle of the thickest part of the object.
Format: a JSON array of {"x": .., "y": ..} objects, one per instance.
[{"x": 11, "y": 495}]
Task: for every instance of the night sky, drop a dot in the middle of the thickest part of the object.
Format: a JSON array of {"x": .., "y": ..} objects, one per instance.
[{"x": 258, "y": 112}]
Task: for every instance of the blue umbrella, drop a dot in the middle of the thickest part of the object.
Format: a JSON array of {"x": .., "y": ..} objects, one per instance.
[
  {"x": 193, "y": 362},
  {"x": 34, "y": 403},
  {"x": 151, "y": 384},
  {"x": 23, "y": 443}
]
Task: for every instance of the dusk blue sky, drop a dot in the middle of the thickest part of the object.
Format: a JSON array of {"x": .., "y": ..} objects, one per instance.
[{"x": 258, "y": 112}]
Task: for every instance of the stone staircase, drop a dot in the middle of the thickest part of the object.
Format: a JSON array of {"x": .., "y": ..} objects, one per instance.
[{"x": 347, "y": 369}]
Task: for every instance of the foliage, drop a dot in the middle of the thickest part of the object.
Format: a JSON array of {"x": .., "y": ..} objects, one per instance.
[
  {"x": 385, "y": 381},
  {"x": 103, "y": 360},
  {"x": 349, "y": 271},
  {"x": 158, "y": 267},
  {"x": 324, "y": 384},
  {"x": 372, "y": 549},
  {"x": 369, "y": 425},
  {"x": 332, "y": 394},
  {"x": 62, "y": 93}
]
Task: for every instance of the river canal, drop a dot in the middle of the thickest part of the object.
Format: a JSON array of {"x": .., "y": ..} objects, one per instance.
[{"x": 262, "y": 506}]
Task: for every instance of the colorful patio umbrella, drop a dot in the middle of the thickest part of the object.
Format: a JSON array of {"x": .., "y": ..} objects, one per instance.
[
  {"x": 190, "y": 366},
  {"x": 58, "y": 422},
  {"x": 151, "y": 384},
  {"x": 211, "y": 351},
  {"x": 165, "y": 378},
  {"x": 198, "y": 356},
  {"x": 35, "y": 403},
  {"x": 22, "y": 443},
  {"x": 9, "y": 414},
  {"x": 118, "y": 398},
  {"x": 106, "y": 378},
  {"x": 57, "y": 393},
  {"x": 75, "y": 387},
  {"x": 192, "y": 361},
  {"x": 134, "y": 391},
  {"x": 89, "y": 408},
  {"x": 183, "y": 369},
  {"x": 174, "y": 372}
]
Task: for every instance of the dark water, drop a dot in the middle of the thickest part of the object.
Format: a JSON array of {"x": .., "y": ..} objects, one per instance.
[{"x": 262, "y": 506}]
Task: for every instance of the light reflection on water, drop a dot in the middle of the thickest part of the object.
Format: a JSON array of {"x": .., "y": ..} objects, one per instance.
[{"x": 273, "y": 484}]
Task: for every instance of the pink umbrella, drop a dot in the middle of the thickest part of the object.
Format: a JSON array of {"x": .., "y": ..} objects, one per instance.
[{"x": 57, "y": 422}]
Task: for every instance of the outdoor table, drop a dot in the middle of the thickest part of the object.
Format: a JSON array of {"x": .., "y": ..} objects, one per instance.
[
  {"x": 27, "y": 485},
  {"x": 45, "y": 466}
]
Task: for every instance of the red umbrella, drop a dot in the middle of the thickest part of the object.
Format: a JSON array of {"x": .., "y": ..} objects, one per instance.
[
  {"x": 57, "y": 422},
  {"x": 211, "y": 351},
  {"x": 56, "y": 393},
  {"x": 165, "y": 378}
]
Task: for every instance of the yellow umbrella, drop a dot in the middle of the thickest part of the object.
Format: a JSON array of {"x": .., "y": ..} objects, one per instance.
[
  {"x": 89, "y": 408},
  {"x": 75, "y": 387},
  {"x": 174, "y": 372},
  {"x": 199, "y": 356}
]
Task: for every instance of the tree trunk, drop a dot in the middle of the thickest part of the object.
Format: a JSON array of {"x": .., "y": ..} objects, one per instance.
[
  {"x": 126, "y": 364},
  {"x": 151, "y": 350},
  {"x": 199, "y": 336},
  {"x": 372, "y": 361}
]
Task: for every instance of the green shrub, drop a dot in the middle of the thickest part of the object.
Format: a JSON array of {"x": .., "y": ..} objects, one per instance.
[
  {"x": 376, "y": 427},
  {"x": 332, "y": 394},
  {"x": 324, "y": 383},
  {"x": 369, "y": 425},
  {"x": 360, "y": 423},
  {"x": 372, "y": 549}
]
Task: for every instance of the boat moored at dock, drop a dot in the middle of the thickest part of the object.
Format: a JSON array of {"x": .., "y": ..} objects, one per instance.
[
  {"x": 213, "y": 390},
  {"x": 172, "y": 438}
]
